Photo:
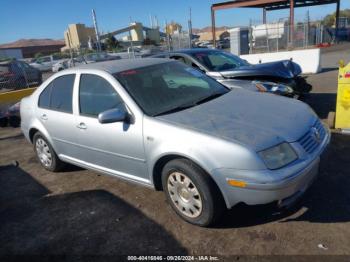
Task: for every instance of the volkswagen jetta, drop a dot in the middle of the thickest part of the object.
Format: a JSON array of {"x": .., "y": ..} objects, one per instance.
[{"x": 165, "y": 125}]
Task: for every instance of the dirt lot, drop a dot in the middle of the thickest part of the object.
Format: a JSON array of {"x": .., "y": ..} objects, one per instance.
[{"x": 79, "y": 212}]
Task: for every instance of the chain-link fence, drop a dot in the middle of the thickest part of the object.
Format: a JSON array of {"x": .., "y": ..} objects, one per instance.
[
  {"x": 281, "y": 36},
  {"x": 15, "y": 75},
  {"x": 179, "y": 41}
]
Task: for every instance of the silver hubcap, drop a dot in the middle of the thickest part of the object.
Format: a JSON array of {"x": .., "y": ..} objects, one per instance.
[
  {"x": 43, "y": 151},
  {"x": 184, "y": 194}
]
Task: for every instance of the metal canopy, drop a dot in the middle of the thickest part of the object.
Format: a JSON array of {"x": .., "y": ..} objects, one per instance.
[{"x": 269, "y": 5}]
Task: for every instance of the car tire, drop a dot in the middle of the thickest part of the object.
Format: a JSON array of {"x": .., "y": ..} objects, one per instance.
[
  {"x": 191, "y": 192},
  {"x": 46, "y": 155}
]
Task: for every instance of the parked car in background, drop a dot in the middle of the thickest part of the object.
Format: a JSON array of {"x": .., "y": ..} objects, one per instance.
[
  {"x": 205, "y": 44},
  {"x": 10, "y": 115},
  {"x": 165, "y": 125},
  {"x": 45, "y": 63},
  {"x": 283, "y": 77},
  {"x": 16, "y": 74},
  {"x": 85, "y": 59},
  {"x": 68, "y": 63},
  {"x": 99, "y": 57},
  {"x": 224, "y": 43}
]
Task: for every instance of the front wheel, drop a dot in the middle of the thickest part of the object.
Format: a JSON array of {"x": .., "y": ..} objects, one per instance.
[{"x": 191, "y": 192}]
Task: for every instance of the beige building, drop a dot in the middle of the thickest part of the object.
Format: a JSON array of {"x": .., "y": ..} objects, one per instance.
[
  {"x": 77, "y": 36},
  {"x": 173, "y": 28},
  {"x": 136, "y": 32}
]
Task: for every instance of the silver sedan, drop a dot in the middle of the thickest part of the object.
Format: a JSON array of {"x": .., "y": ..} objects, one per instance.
[{"x": 164, "y": 125}]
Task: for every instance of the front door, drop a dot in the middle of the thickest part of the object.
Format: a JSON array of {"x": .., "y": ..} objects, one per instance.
[{"x": 116, "y": 148}]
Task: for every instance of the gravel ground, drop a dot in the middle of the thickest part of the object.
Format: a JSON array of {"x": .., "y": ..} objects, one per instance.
[{"x": 80, "y": 212}]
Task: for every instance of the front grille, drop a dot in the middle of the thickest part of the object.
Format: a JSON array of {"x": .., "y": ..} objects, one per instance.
[{"x": 311, "y": 141}]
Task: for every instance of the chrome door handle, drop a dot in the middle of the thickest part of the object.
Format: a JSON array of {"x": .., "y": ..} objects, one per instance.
[
  {"x": 44, "y": 117},
  {"x": 82, "y": 126}
]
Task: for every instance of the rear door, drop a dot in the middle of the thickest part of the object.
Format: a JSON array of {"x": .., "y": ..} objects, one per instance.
[{"x": 55, "y": 112}]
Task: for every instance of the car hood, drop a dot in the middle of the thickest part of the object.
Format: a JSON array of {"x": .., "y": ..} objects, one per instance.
[
  {"x": 280, "y": 69},
  {"x": 256, "y": 120}
]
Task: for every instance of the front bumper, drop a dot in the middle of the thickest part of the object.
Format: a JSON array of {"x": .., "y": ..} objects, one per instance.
[
  {"x": 264, "y": 193},
  {"x": 266, "y": 186}
]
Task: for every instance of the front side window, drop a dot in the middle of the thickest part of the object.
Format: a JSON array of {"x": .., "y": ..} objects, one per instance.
[
  {"x": 169, "y": 86},
  {"x": 96, "y": 95},
  {"x": 58, "y": 94},
  {"x": 219, "y": 61}
]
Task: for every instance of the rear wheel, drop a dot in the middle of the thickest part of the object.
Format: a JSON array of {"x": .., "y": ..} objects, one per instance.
[
  {"x": 46, "y": 155},
  {"x": 191, "y": 192}
]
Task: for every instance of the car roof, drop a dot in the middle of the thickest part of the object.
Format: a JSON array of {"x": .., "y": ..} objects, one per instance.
[{"x": 115, "y": 66}]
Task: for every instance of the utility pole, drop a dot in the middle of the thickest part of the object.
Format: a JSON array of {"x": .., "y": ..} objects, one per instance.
[
  {"x": 131, "y": 44},
  {"x": 96, "y": 31},
  {"x": 167, "y": 35},
  {"x": 190, "y": 29}
]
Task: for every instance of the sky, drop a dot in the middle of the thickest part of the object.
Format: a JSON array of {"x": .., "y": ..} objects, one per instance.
[{"x": 49, "y": 18}]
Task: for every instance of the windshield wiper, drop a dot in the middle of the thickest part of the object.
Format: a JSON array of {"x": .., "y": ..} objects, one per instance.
[
  {"x": 208, "y": 98},
  {"x": 176, "y": 109},
  {"x": 188, "y": 105}
]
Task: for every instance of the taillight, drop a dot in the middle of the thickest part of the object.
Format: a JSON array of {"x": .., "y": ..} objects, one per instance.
[{"x": 347, "y": 75}]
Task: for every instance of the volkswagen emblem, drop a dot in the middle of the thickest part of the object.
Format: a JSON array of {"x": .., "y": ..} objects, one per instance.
[{"x": 316, "y": 134}]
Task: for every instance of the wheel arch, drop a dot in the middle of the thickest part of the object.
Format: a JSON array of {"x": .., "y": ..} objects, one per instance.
[
  {"x": 32, "y": 132},
  {"x": 160, "y": 163}
]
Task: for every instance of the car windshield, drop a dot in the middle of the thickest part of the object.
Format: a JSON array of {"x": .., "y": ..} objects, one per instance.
[
  {"x": 219, "y": 61},
  {"x": 169, "y": 87}
]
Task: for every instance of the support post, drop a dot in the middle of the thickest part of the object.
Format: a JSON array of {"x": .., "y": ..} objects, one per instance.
[
  {"x": 337, "y": 21},
  {"x": 264, "y": 15},
  {"x": 291, "y": 22},
  {"x": 213, "y": 29}
]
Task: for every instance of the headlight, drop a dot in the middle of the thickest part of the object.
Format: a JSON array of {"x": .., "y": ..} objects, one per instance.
[
  {"x": 278, "y": 156},
  {"x": 273, "y": 88}
]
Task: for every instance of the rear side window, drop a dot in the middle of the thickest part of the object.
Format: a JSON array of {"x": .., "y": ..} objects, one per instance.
[
  {"x": 58, "y": 94},
  {"x": 96, "y": 95},
  {"x": 44, "y": 98}
]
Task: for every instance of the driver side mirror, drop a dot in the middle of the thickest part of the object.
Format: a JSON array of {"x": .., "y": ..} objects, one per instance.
[{"x": 113, "y": 115}]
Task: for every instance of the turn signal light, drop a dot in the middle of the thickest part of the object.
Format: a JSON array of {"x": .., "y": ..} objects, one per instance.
[{"x": 236, "y": 183}]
